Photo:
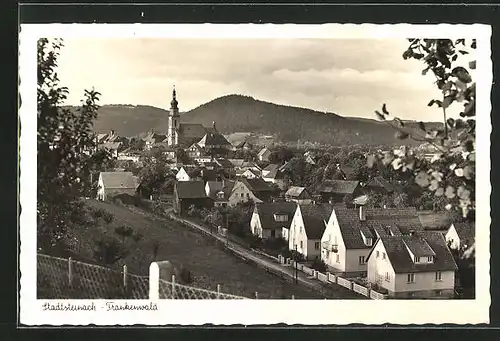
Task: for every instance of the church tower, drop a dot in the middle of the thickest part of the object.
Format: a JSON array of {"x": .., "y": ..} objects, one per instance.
[{"x": 173, "y": 121}]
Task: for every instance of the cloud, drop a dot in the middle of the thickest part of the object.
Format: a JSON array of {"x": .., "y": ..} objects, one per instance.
[{"x": 349, "y": 77}]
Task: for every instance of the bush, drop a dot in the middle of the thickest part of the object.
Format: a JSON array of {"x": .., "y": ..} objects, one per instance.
[
  {"x": 108, "y": 217},
  {"x": 319, "y": 265},
  {"x": 108, "y": 251}
]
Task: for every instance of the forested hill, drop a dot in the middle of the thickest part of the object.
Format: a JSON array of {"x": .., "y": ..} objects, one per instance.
[{"x": 237, "y": 113}]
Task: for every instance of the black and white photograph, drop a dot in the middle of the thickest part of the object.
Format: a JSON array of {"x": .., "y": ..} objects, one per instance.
[{"x": 268, "y": 167}]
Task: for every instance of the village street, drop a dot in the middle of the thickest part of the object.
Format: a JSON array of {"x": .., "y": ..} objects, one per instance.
[{"x": 266, "y": 263}]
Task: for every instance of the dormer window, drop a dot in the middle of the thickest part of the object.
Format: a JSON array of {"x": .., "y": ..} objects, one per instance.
[
  {"x": 366, "y": 240},
  {"x": 424, "y": 260},
  {"x": 280, "y": 217},
  {"x": 220, "y": 195}
]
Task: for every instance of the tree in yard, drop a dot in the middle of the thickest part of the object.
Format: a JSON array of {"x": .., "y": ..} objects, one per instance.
[
  {"x": 124, "y": 232},
  {"x": 65, "y": 142},
  {"x": 451, "y": 178}
]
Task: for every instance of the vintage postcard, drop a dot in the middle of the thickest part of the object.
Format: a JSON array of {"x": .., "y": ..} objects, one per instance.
[{"x": 254, "y": 174}]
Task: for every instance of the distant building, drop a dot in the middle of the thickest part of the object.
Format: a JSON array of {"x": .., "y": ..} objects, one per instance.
[
  {"x": 260, "y": 189},
  {"x": 272, "y": 220},
  {"x": 187, "y": 193},
  {"x": 335, "y": 191},
  {"x": 273, "y": 174},
  {"x": 213, "y": 141},
  {"x": 460, "y": 235},
  {"x": 182, "y": 175},
  {"x": 379, "y": 185},
  {"x": 264, "y": 155},
  {"x": 299, "y": 195},
  {"x": 111, "y": 184}
]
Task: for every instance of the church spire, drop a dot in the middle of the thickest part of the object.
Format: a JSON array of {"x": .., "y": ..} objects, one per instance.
[{"x": 174, "y": 103}]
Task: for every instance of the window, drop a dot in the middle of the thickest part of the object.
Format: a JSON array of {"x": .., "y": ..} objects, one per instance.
[
  {"x": 430, "y": 259},
  {"x": 438, "y": 276},
  {"x": 361, "y": 260},
  {"x": 383, "y": 255},
  {"x": 301, "y": 244},
  {"x": 248, "y": 195},
  {"x": 316, "y": 245},
  {"x": 300, "y": 228},
  {"x": 387, "y": 278},
  {"x": 438, "y": 292},
  {"x": 338, "y": 258},
  {"x": 411, "y": 278},
  {"x": 417, "y": 259},
  {"x": 378, "y": 254},
  {"x": 273, "y": 233},
  {"x": 241, "y": 195}
]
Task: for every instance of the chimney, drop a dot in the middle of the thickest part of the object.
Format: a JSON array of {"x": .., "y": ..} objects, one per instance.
[
  {"x": 362, "y": 213},
  {"x": 412, "y": 232},
  {"x": 213, "y": 125},
  {"x": 112, "y": 133}
]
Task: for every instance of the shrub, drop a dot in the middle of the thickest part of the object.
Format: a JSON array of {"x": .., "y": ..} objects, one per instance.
[
  {"x": 108, "y": 251},
  {"x": 319, "y": 265},
  {"x": 108, "y": 217}
]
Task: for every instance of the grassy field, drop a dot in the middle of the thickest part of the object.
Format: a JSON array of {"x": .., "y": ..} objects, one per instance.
[{"x": 207, "y": 260}]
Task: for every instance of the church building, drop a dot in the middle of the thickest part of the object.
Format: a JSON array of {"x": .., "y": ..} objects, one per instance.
[{"x": 185, "y": 135}]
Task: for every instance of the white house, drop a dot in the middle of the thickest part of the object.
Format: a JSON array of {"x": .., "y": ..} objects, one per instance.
[
  {"x": 307, "y": 228},
  {"x": 264, "y": 155},
  {"x": 182, "y": 175},
  {"x": 115, "y": 183},
  {"x": 460, "y": 235},
  {"x": 351, "y": 233},
  {"x": 229, "y": 193},
  {"x": 415, "y": 266},
  {"x": 272, "y": 220}
]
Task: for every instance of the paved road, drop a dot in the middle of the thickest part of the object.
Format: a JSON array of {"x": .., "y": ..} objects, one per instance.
[
  {"x": 329, "y": 290},
  {"x": 267, "y": 263}
]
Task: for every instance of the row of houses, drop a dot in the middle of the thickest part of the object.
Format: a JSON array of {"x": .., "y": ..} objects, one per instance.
[{"x": 386, "y": 247}]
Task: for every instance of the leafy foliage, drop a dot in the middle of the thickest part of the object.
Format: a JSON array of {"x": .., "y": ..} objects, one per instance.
[
  {"x": 451, "y": 175},
  {"x": 108, "y": 250},
  {"x": 65, "y": 142}
]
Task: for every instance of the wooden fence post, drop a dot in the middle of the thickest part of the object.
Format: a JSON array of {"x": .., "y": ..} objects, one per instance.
[
  {"x": 125, "y": 273},
  {"x": 173, "y": 287},
  {"x": 293, "y": 297},
  {"x": 256, "y": 295},
  {"x": 154, "y": 281},
  {"x": 70, "y": 271},
  {"x": 218, "y": 290}
]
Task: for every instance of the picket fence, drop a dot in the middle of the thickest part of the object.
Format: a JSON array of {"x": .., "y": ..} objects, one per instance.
[
  {"x": 335, "y": 279},
  {"x": 59, "y": 278}
]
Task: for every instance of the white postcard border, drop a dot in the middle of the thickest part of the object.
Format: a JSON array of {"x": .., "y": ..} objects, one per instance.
[{"x": 248, "y": 312}]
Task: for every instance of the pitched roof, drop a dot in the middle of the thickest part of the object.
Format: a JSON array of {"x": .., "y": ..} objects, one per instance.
[
  {"x": 118, "y": 180},
  {"x": 224, "y": 163},
  {"x": 466, "y": 232},
  {"x": 273, "y": 172},
  {"x": 379, "y": 181},
  {"x": 213, "y": 139},
  {"x": 217, "y": 186},
  {"x": 111, "y": 145},
  {"x": 294, "y": 191},
  {"x": 315, "y": 218},
  {"x": 257, "y": 185},
  {"x": 190, "y": 189},
  {"x": 401, "y": 261},
  {"x": 237, "y": 162},
  {"x": 154, "y": 138},
  {"x": 381, "y": 222},
  {"x": 208, "y": 174},
  {"x": 339, "y": 186},
  {"x": 263, "y": 151},
  {"x": 436, "y": 220},
  {"x": 266, "y": 213}
]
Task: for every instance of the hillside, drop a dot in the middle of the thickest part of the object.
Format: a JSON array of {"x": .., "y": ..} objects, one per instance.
[{"x": 236, "y": 113}]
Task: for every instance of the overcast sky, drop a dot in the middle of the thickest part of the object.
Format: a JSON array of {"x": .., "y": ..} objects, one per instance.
[{"x": 347, "y": 77}]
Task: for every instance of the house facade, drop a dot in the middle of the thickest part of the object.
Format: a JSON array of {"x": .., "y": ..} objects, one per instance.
[
  {"x": 269, "y": 220},
  {"x": 460, "y": 235},
  {"x": 111, "y": 184},
  {"x": 187, "y": 193},
  {"x": 182, "y": 175},
  {"x": 415, "y": 266},
  {"x": 307, "y": 228},
  {"x": 335, "y": 191},
  {"x": 264, "y": 155},
  {"x": 351, "y": 233}
]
